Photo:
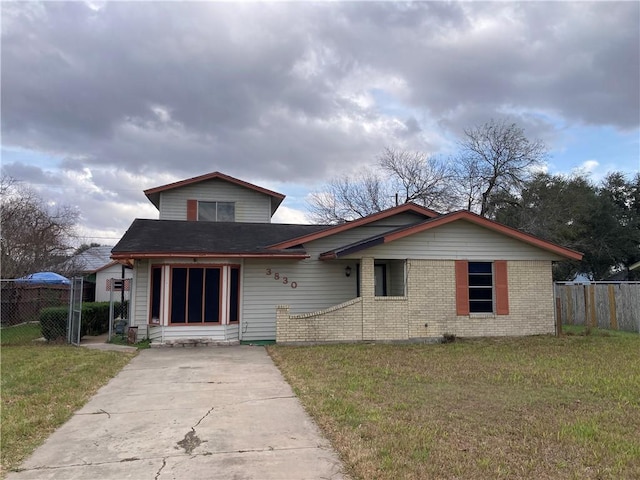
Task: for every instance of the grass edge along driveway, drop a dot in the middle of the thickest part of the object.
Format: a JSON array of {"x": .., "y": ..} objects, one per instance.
[
  {"x": 535, "y": 407},
  {"x": 42, "y": 385}
]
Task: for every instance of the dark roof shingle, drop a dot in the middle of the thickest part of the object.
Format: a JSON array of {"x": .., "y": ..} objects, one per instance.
[{"x": 177, "y": 236}]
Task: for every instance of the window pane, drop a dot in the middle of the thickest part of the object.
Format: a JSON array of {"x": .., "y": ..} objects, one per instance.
[
  {"x": 234, "y": 295},
  {"x": 212, "y": 295},
  {"x": 178, "y": 294},
  {"x": 480, "y": 294},
  {"x": 226, "y": 212},
  {"x": 479, "y": 267},
  {"x": 479, "y": 306},
  {"x": 195, "y": 295},
  {"x": 207, "y": 211},
  {"x": 480, "y": 280},
  {"x": 156, "y": 284}
]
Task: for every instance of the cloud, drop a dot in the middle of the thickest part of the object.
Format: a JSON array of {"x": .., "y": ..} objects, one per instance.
[{"x": 116, "y": 97}]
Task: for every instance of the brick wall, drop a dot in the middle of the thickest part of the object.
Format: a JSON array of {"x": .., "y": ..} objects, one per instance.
[
  {"x": 342, "y": 323},
  {"x": 429, "y": 309},
  {"x": 531, "y": 310}
]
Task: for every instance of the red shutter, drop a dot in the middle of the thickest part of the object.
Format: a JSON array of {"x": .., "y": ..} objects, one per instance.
[
  {"x": 462, "y": 287},
  {"x": 192, "y": 210},
  {"x": 502, "y": 287}
]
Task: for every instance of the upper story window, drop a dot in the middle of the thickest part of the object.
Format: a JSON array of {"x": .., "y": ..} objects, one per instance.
[{"x": 216, "y": 211}]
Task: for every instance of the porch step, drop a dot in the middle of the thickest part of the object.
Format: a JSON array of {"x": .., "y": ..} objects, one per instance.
[{"x": 194, "y": 342}]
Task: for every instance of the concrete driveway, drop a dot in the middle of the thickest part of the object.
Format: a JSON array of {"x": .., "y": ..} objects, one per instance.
[{"x": 189, "y": 413}]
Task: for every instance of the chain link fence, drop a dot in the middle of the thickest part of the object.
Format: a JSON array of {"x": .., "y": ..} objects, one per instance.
[{"x": 29, "y": 311}]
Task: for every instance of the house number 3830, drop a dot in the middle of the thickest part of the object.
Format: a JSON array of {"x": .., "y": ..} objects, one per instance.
[{"x": 277, "y": 276}]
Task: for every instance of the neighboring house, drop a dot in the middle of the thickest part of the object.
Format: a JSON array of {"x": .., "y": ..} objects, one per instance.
[
  {"x": 213, "y": 267},
  {"x": 97, "y": 268}
]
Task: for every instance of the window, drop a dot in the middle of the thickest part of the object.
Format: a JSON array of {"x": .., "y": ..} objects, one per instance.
[
  {"x": 216, "y": 212},
  {"x": 195, "y": 295},
  {"x": 234, "y": 295},
  {"x": 156, "y": 290},
  {"x": 481, "y": 287},
  {"x": 204, "y": 295}
]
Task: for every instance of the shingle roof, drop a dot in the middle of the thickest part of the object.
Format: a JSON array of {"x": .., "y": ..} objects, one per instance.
[
  {"x": 93, "y": 258},
  {"x": 174, "y": 237}
]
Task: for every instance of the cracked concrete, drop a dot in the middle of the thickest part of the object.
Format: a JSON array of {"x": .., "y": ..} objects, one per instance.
[{"x": 206, "y": 413}]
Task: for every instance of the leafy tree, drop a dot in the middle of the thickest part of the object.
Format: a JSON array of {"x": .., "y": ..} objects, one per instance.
[
  {"x": 573, "y": 212},
  {"x": 495, "y": 158},
  {"x": 35, "y": 236}
]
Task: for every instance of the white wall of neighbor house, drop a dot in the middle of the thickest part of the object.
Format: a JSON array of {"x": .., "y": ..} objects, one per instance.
[
  {"x": 250, "y": 205},
  {"x": 458, "y": 240},
  {"x": 102, "y": 278}
]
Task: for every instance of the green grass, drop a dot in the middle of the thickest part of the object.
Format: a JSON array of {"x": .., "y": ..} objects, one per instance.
[
  {"x": 20, "y": 334},
  {"x": 537, "y": 407},
  {"x": 42, "y": 386},
  {"x": 594, "y": 331}
]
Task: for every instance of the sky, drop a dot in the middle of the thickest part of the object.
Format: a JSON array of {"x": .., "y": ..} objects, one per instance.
[{"x": 102, "y": 100}]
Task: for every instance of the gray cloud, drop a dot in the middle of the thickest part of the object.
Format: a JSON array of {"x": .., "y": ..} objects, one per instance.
[{"x": 153, "y": 91}]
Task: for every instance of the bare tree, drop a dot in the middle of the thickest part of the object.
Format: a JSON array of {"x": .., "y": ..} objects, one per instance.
[
  {"x": 495, "y": 158},
  {"x": 418, "y": 178},
  {"x": 402, "y": 176},
  {"x": 347, "y": 198},
  {"x": 34, "y": 236}
]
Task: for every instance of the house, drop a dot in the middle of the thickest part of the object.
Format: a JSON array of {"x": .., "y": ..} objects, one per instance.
[
  {"x": 98, "y": 270},
  {"x": 214, "y": 268}
]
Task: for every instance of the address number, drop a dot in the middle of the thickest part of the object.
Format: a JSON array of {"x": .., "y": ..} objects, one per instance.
[{"x": 277, "y": 276}]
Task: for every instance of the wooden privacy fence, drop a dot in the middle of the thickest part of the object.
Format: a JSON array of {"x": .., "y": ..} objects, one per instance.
[{"x": 610, "y": 305}]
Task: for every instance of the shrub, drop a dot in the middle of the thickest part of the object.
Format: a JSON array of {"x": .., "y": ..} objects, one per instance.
[
  {"x": 95, "y": 320},
  {"x": 53, "y": 322}
]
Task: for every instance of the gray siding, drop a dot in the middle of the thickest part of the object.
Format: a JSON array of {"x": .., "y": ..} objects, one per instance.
[
  {"x": 400, "y": 220},
  {"x": 250, "y": 206},
  {"x": 141, "y": 300},
  {"x": 458, "y": 240},
  {"x": 320, "y": 284}
]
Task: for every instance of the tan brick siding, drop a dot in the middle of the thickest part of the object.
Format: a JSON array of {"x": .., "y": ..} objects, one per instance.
[
  {"x": 342, "y": 323},
  {"x": 429, "y": 309}
]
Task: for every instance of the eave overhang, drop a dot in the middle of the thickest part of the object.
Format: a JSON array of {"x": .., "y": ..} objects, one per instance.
[{"x": 142, "y": 255}]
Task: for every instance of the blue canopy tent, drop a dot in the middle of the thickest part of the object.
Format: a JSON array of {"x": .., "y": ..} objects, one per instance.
[{"x": 49, "y": 278}]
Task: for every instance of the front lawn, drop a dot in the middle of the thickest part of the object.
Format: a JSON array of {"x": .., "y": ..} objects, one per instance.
[
  {"x": 20, "y": 334},
  {"x": 537, "y": 407},
  {"x": 42, "y": 386}
]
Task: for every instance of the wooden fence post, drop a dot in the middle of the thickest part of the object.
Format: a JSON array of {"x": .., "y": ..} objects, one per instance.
[
  {"x": 613, "y": 318},
  {"x": 558, "y": 317}
]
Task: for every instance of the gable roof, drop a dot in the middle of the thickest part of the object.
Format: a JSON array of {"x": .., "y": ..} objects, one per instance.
[
  {"x": 332, "y": 230},
  {"x": 153, "y": 194},
  {"x": 92, "y": 259},
  {"x": 463, "y": 215},
  {"x": 180, "y": 238}
]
